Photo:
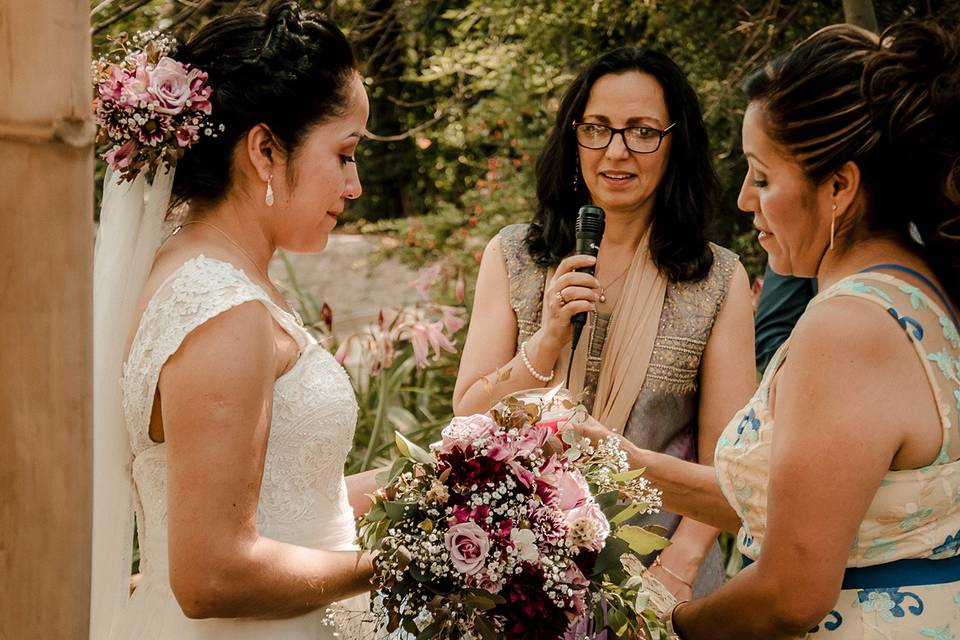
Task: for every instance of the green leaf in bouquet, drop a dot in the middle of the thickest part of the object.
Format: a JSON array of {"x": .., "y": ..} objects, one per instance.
[
  {"x": 482, "y": 600},
  {"x": 376, "y": 512},
  {"x": 372, "y": 534},
  {"x": 641, "y": 540},
  {"x": 418, "y": 574},
  {"x": 389, "y": 477},
  {"x": 431, "y": 631},
  {"x": 610, "y": 556},
  {"x": 413, "y": 451},
  {"x": 618, "y": 621},
  {"x": 657, "y": 529},
  {"x": 410, "y": 626},
  {"x": 653, "y": 626},
  {"x": 640, "y": 601},
  {"x": 397, "y": 510},
  {"x": 626, "y": 513},
  {"x": 607, "y": 499},
  {"x": 627, "y": 476},
  {"x": 484, "y": 628}
]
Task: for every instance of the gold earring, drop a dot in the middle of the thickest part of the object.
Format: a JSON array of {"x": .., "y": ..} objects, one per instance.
[
  {"x": 269, "y": 197},
  {"x": 833, "y": 225}
]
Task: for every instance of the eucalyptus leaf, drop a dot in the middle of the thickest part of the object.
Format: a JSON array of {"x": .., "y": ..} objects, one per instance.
[
  {"x": 483, "y": 626},
  {"x": 397, "y": 510},
  {"x": 628, "y": 512},
  {"x": 627, "y": 476},
  {"x": 610, "y": 555},
  {"x": 640, "y": 540},
  {"x": 413, "y": 451}
]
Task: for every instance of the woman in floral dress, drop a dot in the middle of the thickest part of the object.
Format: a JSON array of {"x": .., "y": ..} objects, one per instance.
[{"x": 842, "y": 474}]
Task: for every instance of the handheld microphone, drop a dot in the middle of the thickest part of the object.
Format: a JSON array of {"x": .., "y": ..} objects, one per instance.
[{"x": 590, "y": 224}]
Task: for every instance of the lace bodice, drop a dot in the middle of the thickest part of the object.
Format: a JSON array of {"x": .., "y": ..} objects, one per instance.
[{"x": 303, "y": 498}]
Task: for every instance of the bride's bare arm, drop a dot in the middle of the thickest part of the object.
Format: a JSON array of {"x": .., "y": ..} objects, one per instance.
[
  {"x": 217, "y": 393},
  {"x": 360, "y": 486}
]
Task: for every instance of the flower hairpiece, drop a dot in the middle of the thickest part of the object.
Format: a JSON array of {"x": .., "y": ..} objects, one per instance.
[{"x": 149, "y": 107}]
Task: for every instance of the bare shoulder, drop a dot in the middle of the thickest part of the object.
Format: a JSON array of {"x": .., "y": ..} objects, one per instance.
[
  {"x": 493, "y": 265},
  {"x": 234, "y": 350},
  {"x": 846, "y": 329}
]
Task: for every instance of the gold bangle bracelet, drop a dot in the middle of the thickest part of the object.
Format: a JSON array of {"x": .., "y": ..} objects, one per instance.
[{"x": 658, "y": 563}]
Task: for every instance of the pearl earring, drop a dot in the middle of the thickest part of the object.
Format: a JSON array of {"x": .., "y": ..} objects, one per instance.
[{"x": 269, "y": 197}]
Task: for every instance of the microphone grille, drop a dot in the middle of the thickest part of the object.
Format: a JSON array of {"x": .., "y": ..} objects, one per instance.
[{"x": 590, "y": 220}]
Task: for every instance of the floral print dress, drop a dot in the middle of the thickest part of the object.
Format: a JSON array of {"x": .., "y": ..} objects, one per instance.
[{"x": 915, "y": 513}]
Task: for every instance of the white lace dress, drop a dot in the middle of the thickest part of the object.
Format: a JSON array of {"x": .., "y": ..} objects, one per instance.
[{"x": 303, "y": 497}]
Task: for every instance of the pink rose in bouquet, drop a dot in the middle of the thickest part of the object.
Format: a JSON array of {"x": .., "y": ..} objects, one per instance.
[
  {"x": 506, "y": 529},
  {"x": 468, "y": 545}
]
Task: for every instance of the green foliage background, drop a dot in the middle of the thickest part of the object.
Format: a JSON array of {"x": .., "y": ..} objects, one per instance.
[{"x": 464, "y": 91}]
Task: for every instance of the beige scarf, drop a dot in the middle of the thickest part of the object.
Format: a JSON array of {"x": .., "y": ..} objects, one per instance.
[{"x": 631, "y": 333}]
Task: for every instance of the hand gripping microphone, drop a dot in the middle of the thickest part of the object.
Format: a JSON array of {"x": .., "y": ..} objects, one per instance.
[{"x": 590, "y": 226}]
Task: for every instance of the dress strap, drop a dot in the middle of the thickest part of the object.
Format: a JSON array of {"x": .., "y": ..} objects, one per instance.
[
  {"x": 525, "y": 278},
  {"x": 922, "y": 278},
  {"x": 882, "y": 289}
]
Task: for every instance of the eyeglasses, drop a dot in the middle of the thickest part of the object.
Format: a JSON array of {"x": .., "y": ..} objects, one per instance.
[{"x": 591, "y": 135}]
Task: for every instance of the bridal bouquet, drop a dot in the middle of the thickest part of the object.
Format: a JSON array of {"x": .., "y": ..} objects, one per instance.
[{"x": 512, "y": 526}]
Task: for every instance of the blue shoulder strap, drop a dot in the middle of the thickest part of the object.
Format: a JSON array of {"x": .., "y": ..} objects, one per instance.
[{"x": 925, "y": 280}]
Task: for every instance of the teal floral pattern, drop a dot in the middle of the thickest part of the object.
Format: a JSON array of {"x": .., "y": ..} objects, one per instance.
[{"x": 915, "y": 512}]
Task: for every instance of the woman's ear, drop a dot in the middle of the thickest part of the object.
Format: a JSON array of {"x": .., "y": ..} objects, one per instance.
[
  {"x": 264, "y": 151},
  {"x": 845, "y": 185}
]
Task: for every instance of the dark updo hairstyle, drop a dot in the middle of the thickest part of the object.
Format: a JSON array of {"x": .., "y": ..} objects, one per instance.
[
  {"x": 287, "y": 68},
  {"x": 892, "y": 106},
  {"x": 685, "y": 198}
]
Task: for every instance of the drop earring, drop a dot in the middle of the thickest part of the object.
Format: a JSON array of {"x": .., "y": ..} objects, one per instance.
[
  {"x": 269, "y": 197},
  {"x": 833, "y": 225},
  {"x": 576, "y": 174}
]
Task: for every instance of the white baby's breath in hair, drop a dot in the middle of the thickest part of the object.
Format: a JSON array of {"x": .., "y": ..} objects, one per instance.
[{"x": 149, "y": 107}]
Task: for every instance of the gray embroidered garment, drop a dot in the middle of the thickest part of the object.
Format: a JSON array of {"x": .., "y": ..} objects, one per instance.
[{"x": 664, "y": 416}]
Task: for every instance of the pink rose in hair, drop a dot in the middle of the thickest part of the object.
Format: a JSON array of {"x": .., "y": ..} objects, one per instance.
[
  {"x": 120, "y": 157},
  {"x": 468, "y": 545},
  {"x": 111, "y": 88},
  {"x": 186, "y": 135},
  {"x": 170, "y": 86},
  {"x": 136, "y": 88},
  {"x": 199, "y": 91}
]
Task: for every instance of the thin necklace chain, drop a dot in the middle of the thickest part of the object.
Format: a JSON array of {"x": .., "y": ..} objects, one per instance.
[
  {"x": 231, "y": 241},
  {"x": 288, "y": 307},
  {"x": 603, "y": 289}
]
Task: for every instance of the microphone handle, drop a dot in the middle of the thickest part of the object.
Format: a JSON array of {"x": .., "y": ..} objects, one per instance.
[{"x": 579, "y": 320}]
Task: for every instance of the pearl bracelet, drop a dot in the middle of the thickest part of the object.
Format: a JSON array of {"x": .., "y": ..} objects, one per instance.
[{"x": 533, "y": 372}]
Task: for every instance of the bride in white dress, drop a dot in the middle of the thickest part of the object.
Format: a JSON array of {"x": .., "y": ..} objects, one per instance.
[{"x": 237, "y": 424}]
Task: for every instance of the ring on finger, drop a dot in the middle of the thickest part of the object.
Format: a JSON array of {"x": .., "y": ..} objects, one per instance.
[{"x": 561, "y": 299}]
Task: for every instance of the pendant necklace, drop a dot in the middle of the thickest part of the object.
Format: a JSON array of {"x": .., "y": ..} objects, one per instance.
[{"x": 603, "y": 289}]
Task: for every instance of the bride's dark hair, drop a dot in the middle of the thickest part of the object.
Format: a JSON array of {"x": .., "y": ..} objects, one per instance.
[{"x": 286, "y": 68}]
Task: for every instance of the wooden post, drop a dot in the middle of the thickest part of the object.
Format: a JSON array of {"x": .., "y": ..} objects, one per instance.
[{"x": 46, "y": 254}]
